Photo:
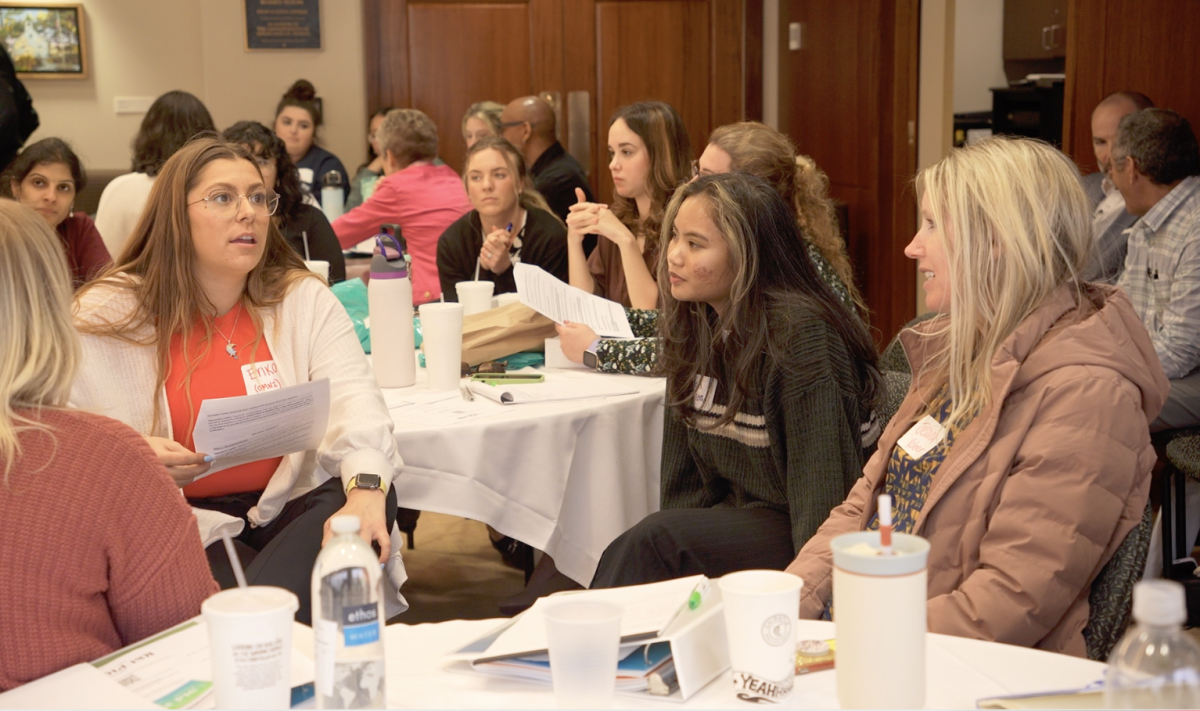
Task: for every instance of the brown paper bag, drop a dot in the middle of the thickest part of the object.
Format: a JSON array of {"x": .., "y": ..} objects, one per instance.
[{"x": 501, "y": 332}]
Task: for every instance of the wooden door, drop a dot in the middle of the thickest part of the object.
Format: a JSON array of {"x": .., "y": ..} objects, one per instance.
[
  {"x": 440, "y": 56},
  {"x": 1140, "y": 45},
  {"x": 848, "y": 99}
]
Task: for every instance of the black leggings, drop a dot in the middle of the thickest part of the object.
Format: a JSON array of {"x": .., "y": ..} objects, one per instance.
[
  {"x": 281, "y": 553},
  {"x": 676, "y": 543}
]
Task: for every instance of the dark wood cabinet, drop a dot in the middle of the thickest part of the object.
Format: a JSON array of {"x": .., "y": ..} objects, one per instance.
[{"x": 1035, "y": 29}]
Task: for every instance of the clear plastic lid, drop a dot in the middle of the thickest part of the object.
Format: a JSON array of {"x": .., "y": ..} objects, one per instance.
[
  {"x": 1159, "y": 603},
  {"x": 344, "y": 524}
]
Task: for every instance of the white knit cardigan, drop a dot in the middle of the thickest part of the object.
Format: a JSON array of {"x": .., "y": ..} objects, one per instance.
[{"x": 310, "y": 337}]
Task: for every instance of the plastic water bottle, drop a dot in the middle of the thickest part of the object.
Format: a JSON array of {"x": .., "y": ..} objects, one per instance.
[
  {"x": 333, "y": 198},
  {"x": 390, "y": 302},
  {"x": 1156, "y": 665},
  {"x": 348, "y": 620}
]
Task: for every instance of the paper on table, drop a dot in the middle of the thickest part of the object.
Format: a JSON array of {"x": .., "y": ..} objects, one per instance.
[
  {"x": 550, "y": 392},
  {"x": 558, "y": 301},
  {"x": 645, "y": 610},
  {"x": 441, "y": 413},
  {"x": 237, "y": 430},
  {"x": 80, "y": 686}
]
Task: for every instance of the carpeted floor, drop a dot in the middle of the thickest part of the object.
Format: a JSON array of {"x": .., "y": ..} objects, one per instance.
[{"x": 454, "y": 573}]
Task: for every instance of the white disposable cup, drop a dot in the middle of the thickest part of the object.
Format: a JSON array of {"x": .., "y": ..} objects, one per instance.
[
  {"x": 879, "y": 611},
  {"x": 475, "y": 296},
  {"x": 505, "y": 299},
  {"x": 762, "y": 609},
  {"x": 441, "y": 333},
  {"x": 319, "y": 266},
  {"x": 583, "y": 641},
  {"x": 250, "y": 641}
]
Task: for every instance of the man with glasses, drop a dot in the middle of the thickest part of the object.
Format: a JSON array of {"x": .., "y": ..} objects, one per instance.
[{"x": 529, "y": 124}]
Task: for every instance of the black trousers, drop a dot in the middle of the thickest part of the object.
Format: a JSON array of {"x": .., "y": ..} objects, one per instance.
[
  {"x": 281, "y": 553},
  {"x": 676, "y": 543}
]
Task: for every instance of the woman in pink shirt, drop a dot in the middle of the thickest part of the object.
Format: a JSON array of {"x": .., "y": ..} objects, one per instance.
[{"x": 422, "y": 198}]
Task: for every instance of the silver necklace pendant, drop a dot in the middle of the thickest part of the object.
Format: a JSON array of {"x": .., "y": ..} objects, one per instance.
[{"x": 231, "y": 350}]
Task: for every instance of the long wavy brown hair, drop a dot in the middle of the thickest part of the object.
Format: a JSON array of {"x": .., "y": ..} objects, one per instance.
[
  {"x": 158, "y": 267},
  {"x": 670, "y": 153},
  {"x": 770, "y": 275},
  {"x": 760, "y": 150}
]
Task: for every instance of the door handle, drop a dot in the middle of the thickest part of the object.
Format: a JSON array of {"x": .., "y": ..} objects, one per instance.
[
  {"x": 1047, "y": 31},
  {"x": 1054, "y": 36}
]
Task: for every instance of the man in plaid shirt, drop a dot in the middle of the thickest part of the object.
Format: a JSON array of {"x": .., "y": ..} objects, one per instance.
[{"x": 1156, "y": 166}]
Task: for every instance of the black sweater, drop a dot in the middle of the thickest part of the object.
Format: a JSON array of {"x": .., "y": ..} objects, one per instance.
[
  {"x": 542, "y": 243},
  {"x": 322, "y": 242},
  {"x": 797, "y": 449}
]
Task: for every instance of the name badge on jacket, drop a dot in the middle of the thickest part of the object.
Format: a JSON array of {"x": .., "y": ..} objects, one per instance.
[
  {"x": 261, "y": 377},
  {"x": 706, "y": 390},
  {"x": 924, "y": 436}
]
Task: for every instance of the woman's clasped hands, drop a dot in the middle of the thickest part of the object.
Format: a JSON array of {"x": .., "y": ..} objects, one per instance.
[{"x": 590, "y": 218}]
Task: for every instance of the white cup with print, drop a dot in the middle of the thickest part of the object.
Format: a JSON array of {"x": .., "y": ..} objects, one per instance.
[
  {"x": 583, "y": 639},
  {"x": 762, "y": 609},
  {"x": 441, "y": 332},
  {"x": 318, "y": 266},
  {"x": 250, "y": 641},
  {"x": 879, "y": 609},
  {"x": 475, "y": 296}
]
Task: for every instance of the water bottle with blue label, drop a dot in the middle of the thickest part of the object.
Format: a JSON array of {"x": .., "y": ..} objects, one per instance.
[{"x": 348, "y": 619}]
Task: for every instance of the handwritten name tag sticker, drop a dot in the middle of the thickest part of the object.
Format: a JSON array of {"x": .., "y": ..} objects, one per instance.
[
  {"x": 706, "y": 390},
  {"x": 924, "y": 436},
  {"x": 261, "y": 377}
]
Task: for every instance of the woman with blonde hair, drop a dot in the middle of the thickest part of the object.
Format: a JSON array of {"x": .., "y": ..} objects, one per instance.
[
  {"x": 511, "y": 223},
  {"x": 78, "y": 581},
  {"x": 482, "y": 120},
  {"x": 649, "y": 156},
  {"x": 209, "y": 301},
  {"x": 1041, "y": 388}
]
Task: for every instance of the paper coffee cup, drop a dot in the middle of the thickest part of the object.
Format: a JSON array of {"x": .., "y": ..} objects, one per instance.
[
  {"x": 250, "y": 639},
  {"x": 475, "y": 296},
  {"x": 762, "y": 609},
  {"x": 319, "y": 266},
  {"x": 879, "y": 607},
  {"x": 505, "y": 299},
  {"x": 441, "y": 331}
]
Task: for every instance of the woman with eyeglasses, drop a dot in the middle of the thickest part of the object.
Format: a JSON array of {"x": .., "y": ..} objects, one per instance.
[
  {"x": 209, "y": 301},
  {"x": 305, "y": 227}
]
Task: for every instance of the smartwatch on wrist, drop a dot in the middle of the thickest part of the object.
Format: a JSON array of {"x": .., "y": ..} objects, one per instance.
[
  {"x": 589, "y": 355},
  {"x": 373, "y": 482}
]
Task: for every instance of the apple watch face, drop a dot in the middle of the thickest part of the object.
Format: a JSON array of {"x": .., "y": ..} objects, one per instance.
[{"x": 368, "y": 481}]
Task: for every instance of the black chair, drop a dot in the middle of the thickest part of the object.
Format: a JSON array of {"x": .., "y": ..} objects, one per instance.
[
  {"x": 1182, "y": 454},
  {"x": 1111, "y": 594}
]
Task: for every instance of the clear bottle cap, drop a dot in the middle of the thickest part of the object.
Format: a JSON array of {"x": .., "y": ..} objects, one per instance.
[
  {"x": 344, "y": 524},
  {"x": 1159, "y": 603}
]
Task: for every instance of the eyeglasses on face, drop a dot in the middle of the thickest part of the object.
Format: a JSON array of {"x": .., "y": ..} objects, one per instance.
[
  {"x": 510, "y": 124},
  {"x": 225, "y": 203}
]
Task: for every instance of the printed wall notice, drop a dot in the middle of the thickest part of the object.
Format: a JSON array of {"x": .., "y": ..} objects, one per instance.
[{"x": 283, "y": 24}]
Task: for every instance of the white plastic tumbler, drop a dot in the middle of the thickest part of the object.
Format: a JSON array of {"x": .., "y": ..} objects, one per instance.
[
  {"x": 583, "y": 641},
  {"x": 475, "y": 296},
  {"x": 762, "y": 608},
  {"x": 250, "y": 638},
  {"x": 879, "y": 610},
  {"x": 441, "y": 330}
]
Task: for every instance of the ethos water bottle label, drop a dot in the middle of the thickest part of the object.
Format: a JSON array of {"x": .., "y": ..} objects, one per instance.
[
  {"x": 360, "y": 624},
  {"x": 758, "y": 690}
]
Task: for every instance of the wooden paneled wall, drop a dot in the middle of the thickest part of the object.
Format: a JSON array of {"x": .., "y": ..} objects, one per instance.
[
  {"x": 1151, "y": 46},
  {"x": 848, "y": 98}
]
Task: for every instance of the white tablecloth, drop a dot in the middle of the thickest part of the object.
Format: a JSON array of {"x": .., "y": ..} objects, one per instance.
[
  {"x": 564, "y": 477},
  {"x": 958, "y": 673}
]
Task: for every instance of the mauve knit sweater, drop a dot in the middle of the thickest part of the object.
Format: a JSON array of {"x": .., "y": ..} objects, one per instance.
[{"x": 97, "y": 547}]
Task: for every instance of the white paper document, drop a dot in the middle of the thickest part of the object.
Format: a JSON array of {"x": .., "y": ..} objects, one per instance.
[
  {"x": 80, "y": 686},
  {"x": 645, "y": 611},
  {"x": 559, "y": 301},
  {"x": 550, "y": 391},
  {"x": 237, "y": 430}
]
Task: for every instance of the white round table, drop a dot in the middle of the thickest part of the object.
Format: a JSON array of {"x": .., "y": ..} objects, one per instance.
[{"x": 565, "y": 477}]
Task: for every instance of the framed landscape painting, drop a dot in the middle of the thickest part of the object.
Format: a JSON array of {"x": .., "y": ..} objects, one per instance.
[{"x": 45, "y": 41}]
